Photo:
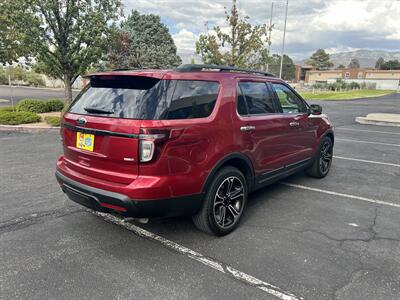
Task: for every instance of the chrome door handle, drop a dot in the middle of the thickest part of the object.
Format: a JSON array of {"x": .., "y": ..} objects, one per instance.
[
  {"x": 247, "y": 128},
  {"x": 294, "y": 124}
]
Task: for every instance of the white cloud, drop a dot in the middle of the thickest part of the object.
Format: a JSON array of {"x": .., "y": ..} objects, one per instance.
[
  {"x": 312, "y": 24},
  {"x": 185, "y": 41}
]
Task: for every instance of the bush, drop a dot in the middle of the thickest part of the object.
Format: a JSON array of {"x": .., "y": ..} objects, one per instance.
[
  {"x": 54, "y": 105},
  {"x": 34, "y": 79},
  {"x": 354, "y": 85},
  {"x": 53, "y": 121},
  {"x": 31, "y": 105},
  {"x": 40, "y": 106},
  {"x": 3, "y": 77},
  {"x": 19, "y": 117},
  {"x": 7, "y": 108}
]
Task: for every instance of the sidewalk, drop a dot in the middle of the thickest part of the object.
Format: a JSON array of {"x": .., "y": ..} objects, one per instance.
[{"x": 380, "y": 119}]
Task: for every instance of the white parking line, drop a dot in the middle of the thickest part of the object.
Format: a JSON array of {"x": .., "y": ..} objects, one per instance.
[
  {"x": 363, "y": 130},
  {"x": 209, "y": 262},
  {"x": 366, "y": 142},
  {"x": 367, "y": 161},
  {"x": 341, "y": 194}
]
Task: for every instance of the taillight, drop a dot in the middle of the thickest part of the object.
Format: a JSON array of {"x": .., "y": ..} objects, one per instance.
[
  {"x": 146, "y": 150},
  {"x": 148, "y": 139}
]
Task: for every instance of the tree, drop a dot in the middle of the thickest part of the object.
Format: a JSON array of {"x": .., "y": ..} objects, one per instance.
[
  {"x": 11, "y": 47},
  {"x": 288, "y": 67},
  {"x": 354, "y": 64},
  {"x": 242, "y": 46},
  {"x": 341, "y": 67},
  {"x": 391, "y": 65},
  {"x": 379, "y": 63},
  {"x": 143, "y": 42},
  {"x": 66, "y": 36},
  {"x": 320, "y": 60}
]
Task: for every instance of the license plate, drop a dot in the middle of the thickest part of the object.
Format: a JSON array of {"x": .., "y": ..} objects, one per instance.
[{"x": 85, "y": 141}]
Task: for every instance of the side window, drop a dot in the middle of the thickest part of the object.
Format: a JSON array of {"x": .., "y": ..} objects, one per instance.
[
  {"x": 192, "y": 99},
  {"x": 255, "y": 98},
  {"x": 290, "y": 103}
]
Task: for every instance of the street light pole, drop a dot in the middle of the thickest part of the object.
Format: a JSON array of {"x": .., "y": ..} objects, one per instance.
[
  {"x": 269, "y": 34},
  {"x": 283, "y": 41}
]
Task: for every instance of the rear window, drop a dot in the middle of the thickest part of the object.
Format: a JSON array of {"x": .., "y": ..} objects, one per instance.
[{"x": 146, "y": 98}]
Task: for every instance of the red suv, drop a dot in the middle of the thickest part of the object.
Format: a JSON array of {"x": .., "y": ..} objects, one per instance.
[{"x": 191, "y": 141}]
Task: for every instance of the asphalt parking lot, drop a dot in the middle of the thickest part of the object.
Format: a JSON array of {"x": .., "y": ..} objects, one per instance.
[
  {"x": 19, "y": 93},
  {"x": 334, "y": 238}
]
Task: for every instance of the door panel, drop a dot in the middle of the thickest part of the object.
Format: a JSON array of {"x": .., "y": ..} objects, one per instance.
[
  {"x": 294, "y": 110},
  {"x": 263, "y": 132}
]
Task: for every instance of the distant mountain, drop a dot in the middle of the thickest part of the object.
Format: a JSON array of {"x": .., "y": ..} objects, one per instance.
[{"x": 367, "y": 58}]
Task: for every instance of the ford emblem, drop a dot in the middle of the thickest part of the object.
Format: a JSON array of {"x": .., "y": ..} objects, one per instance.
[{"x": 81, "y": 121}]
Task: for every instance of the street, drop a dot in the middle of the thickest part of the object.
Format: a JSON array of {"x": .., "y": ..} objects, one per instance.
[
  {"x": 19, "y": 93},
  {"x": 334, "y": 238}
]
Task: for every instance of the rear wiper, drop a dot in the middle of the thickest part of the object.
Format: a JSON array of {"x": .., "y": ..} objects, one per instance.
[{"x": 96, "y": 110}]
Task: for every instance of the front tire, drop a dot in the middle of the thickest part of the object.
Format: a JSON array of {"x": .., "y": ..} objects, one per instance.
[
  {"x": 323, "y": 160},
  {"x": 224, "y": 203}
]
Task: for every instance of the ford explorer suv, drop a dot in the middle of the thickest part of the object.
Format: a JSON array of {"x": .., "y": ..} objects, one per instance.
[{"x": 194, "y": 141}]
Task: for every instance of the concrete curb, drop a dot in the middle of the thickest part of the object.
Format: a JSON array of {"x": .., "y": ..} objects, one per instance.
[
  {"x": 366, "y": 121},
  {"x": 20, "y": 128}
]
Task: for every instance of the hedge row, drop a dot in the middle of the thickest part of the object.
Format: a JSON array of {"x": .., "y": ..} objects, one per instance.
[
  {"x": 53, "y": 121},
  {"x": 40, "y": 106},
  {"x": 19, "y": 117}
]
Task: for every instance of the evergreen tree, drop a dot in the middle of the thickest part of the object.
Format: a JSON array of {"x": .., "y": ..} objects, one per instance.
[
  {"x": 320, "y": 60},
  {"x": 142, "y": 42},
  {"x": 288, "y": 67},
  {"x": 354, "y": 64},
  {"x": 379, "y": 63}
]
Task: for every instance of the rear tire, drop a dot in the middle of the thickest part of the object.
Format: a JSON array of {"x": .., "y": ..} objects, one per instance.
[
  {"x": 323, "y": 159},
  {"x": 223, "y": 204}
]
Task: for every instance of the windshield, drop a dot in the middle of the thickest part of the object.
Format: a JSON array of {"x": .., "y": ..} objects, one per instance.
[{"x": 146, "y": 98}]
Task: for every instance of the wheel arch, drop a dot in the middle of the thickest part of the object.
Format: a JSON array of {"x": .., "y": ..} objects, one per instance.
[
  {"x": 237, "y": 160},
  {"x": 330, "y": 135}
]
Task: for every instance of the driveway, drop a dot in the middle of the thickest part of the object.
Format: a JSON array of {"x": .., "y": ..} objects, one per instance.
[{"x": 334, "y": 238}]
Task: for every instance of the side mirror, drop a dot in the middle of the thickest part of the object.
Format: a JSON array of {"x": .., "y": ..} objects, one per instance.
[{"x": 315, "y": 109}]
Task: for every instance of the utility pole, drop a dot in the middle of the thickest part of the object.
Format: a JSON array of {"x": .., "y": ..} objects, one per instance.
[
  {"x": 269, "y": 33},
  {"x": 283, "y": 41},
  {"x": 10, "y": 85}
]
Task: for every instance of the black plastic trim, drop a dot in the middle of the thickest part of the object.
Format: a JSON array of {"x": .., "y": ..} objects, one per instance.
[
  {"x": 98, "y": 131},
  {"x": 275, "y": 175},
  {"x": 91, "y": 197},
  {"x": 222, "y": 161},
  {"x": 199, "y": 67}
]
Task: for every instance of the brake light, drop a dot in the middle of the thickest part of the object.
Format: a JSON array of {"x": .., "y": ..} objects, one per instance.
[
  {"x": 148, "y": 138},
  {"x": 146, "y": 150}
]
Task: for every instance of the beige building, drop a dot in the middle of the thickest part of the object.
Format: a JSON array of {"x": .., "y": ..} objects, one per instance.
[
  {"x": 382, "y": 74},
  {"x": 323, "y": 76}
]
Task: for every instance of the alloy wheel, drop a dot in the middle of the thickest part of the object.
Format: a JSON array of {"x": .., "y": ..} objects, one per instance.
[
  {"x": 229, "y": 202},
  {"x": 325, "y": 157}
]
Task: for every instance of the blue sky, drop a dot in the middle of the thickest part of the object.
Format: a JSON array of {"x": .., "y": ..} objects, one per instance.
[{"x": 335, "y": 25}]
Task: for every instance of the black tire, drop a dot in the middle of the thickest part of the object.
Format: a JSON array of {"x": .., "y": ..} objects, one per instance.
[
  {"x": 323, "y": 159},
  {"x": 220, "y": 213}
]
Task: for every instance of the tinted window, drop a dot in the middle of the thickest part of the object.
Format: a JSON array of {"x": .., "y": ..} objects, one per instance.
[
  {"x": 145, "y": 98},
  {"x": 191, "y": 99},
  {"x": 241, "y": 103},
  {"x": 289, "y": 102},
  {"x": 257, "y": 97}
]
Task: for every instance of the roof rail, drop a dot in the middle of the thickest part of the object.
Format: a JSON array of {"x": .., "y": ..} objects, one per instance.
[
  {"x": 200, "y": 67},
  {"x": 132, "y": 69}
]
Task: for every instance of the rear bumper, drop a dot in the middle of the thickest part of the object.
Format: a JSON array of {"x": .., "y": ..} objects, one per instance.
[{"x": 111, "y": 202}]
